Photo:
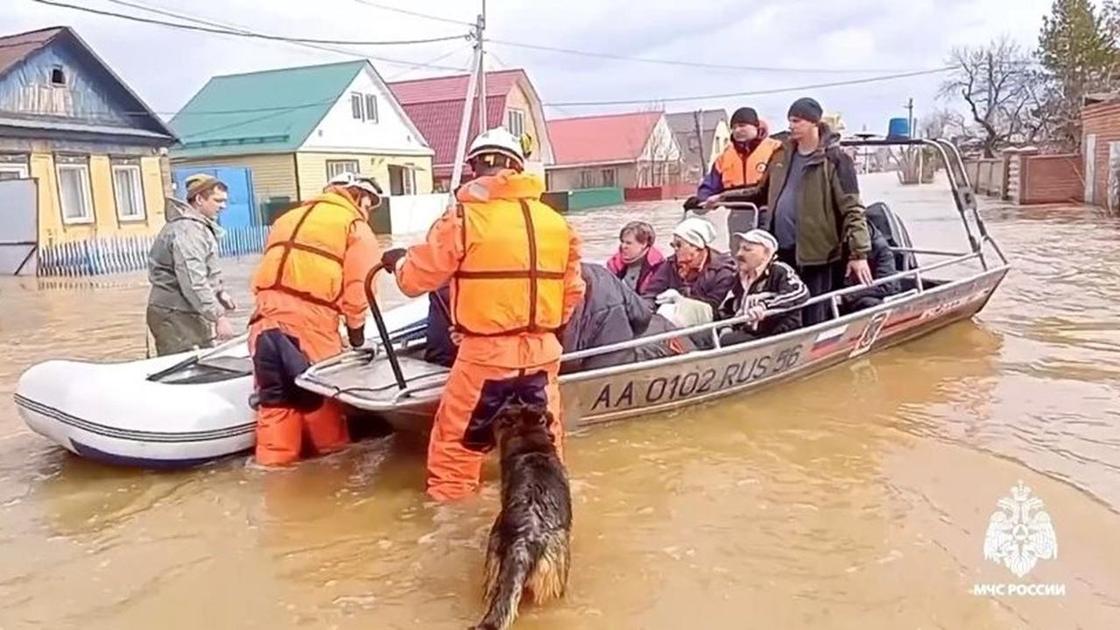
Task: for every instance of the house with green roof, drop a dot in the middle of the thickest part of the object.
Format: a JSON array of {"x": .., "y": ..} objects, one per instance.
[{"x": 295, "y": 128}]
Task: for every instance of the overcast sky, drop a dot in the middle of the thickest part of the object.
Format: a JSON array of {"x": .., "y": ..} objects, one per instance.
[{"x": 166, "y": 67}]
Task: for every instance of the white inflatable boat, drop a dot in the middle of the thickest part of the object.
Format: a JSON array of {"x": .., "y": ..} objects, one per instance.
[{"x": 168, "y": 412}]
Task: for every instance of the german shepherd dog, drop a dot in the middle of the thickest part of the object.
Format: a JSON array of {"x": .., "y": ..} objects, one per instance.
[{"x": 528, "y": 549}]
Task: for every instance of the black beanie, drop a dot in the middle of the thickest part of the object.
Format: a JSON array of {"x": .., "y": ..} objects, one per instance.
[
  {"x": 806, "y": 109},
  {"x": 744, "y": 115}
]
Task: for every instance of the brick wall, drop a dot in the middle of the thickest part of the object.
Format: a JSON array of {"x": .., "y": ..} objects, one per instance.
[
  {"x": 1103, "y": 121},
  {"x": 1051, "y": 179}
]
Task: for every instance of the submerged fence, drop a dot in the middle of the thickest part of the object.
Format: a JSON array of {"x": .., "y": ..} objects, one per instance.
[{"x": 122, "y": 254}]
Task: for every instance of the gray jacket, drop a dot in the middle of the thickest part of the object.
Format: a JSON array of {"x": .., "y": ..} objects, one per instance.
[{"x": 183, "y": 263}]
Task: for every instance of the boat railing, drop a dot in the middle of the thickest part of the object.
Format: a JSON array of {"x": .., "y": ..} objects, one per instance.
[
  {"x": 713, "y": 328},
  {"x": 833, "y": 298}
]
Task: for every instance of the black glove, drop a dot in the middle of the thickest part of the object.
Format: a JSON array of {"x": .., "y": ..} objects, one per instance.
[
  {"x": 391, "y": 257},
  {"x": 692, "y": 203},
  {"x": 357, "y": 336}
]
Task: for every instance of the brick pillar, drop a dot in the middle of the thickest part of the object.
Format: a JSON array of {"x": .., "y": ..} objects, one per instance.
[{"x": 1026, "y": 195}]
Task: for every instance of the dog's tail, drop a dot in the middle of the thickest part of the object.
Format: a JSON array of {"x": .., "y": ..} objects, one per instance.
[{"x": 504, "y": 593}]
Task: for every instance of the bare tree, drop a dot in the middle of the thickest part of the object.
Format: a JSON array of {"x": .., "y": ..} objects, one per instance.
[
  {"x": 944, "y": 123},
  {"x": 1004, "y": 95}
]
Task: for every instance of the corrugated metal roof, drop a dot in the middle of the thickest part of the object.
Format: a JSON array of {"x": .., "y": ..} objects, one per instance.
[
  {"x": 61, "y": 125},
  {"x": 272, "y": 111},
  {"x": 436, "y": 108},
  {"x": 601, "y": 139},
  {"x": 16, "y": 48},
  {"x": 498, "y": 83}
]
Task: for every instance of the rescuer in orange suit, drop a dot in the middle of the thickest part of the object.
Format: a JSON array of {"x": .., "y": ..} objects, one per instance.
[
  {"x": 514, "y": 268},
  {"x": 313, "y": 271}
]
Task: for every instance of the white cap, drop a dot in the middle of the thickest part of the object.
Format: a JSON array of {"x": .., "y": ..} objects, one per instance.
[
  {"x": 760, "y": 237},
  {"x": 696, "y": 232}
]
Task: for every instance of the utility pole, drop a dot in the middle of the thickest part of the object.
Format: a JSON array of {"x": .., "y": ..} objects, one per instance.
[
  {"x": 468, "y": 103},
  {"x": 910, "y": 118},
  {"x": 480, "y": 26}
]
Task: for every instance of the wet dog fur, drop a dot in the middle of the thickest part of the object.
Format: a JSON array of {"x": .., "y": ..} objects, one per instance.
[{"x": 528, "y": 548}]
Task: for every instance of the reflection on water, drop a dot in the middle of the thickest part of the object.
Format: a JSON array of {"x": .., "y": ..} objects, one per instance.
[{"x": 857, "y": 498}]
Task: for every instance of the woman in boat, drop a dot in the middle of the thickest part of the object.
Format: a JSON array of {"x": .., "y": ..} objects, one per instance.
[
  {"x": 689, "y": 287},
  {"x": 636, "y": 258},
  {"x": 765, "y": 284}
]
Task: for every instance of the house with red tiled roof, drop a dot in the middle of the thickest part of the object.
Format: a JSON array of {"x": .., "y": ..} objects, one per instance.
[
  {"x": 83, "y": 151},
  {"x": 632, "y": 150},
  {"x": 436, "y": 108}
]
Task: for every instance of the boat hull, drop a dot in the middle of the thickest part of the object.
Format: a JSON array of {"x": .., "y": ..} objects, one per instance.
[
  {"x": 616, "y": 393},
  {"x": 167, "y": 412}
]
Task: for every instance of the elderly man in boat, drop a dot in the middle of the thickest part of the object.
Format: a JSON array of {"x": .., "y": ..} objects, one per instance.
[
  {"x": 764, "y": 284},
  {"x": 689, "y": 287}
]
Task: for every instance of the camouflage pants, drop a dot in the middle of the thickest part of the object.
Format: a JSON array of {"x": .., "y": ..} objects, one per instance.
[{"x": 178, "y": 331}]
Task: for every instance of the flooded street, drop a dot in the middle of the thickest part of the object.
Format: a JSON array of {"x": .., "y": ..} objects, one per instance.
[{"x": 856, "y": 498}]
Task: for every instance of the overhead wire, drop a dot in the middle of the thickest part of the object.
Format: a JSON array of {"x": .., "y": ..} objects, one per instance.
[
  {"x": 247, "y": 33},
  {"x": 708, "y": 97},
  {"x": 231, "y": 25},
  {"x": 691, "y": 64},
  {"x": 427, "y": 16}
]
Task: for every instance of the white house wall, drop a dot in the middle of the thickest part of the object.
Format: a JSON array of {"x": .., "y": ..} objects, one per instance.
[
  {"x": 340, "y": 132},
  {"x": 662, "y": 144}
]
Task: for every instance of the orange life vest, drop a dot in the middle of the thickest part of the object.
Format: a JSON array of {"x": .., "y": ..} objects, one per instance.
[
  {"x": 306, "y": 248},
  {"x": 737, "y": 172},
  {"x": 511, "y": 278}
]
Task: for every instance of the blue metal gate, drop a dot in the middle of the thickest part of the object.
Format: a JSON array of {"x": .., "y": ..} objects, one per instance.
[{"x": 242, "y": 209}]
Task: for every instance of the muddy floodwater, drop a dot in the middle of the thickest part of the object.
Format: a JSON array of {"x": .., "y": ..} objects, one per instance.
[{"x": 857, "y": 498}]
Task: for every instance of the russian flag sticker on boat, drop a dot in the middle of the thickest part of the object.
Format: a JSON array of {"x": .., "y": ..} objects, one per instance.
[{"x": 827, "y": 340}]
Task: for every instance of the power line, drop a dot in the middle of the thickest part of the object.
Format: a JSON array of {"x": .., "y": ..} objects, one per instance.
[
  {"x": 249, "y": 34},
  {"x": 428, "y": 64},
  {"x": 426, "y": 16},
  {"x": 816, "y": 86},
  {"x": 231, "y": 25},
  {"x": 690, "y": 64}
]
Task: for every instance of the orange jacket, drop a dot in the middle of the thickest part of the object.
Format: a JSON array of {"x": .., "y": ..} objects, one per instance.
[
  {"x": 314, "y": 266},
  {"x": 489, "y": 232},
  {"x": 737, "y": 172}
]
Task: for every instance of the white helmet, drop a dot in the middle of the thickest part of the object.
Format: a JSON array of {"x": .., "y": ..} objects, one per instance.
[
  {"x": 361, "y": 182},
  {"x": 499, "y": 141}
]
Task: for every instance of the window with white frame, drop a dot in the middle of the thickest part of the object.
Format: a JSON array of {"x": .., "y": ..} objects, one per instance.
[
  {"x": 608, "y": 177},
  {"x": 409, "y": 180},
  {"x": 371, "y": 108},
  {"x": 356, "y": 106},
  {"x": 74, "y": 193},
  {"x": 516, "y": 122},
  {"x": 13, "y": 171},
  {"x": 338, "y": 167},
  {"x": 128, "y": 190}
]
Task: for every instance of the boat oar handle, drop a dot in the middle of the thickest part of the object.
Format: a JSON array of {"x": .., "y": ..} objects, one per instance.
[{"x": 382, "y": 330}]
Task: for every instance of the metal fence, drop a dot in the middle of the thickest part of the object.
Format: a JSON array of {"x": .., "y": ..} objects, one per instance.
[{"x": 122, "y": 254}]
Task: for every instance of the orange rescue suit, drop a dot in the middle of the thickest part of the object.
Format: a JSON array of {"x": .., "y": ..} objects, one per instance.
[
  {"x": 737, "y": 172},
  {"x": 513, "y": 265},
  {"x": 313, "y": 270}
]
